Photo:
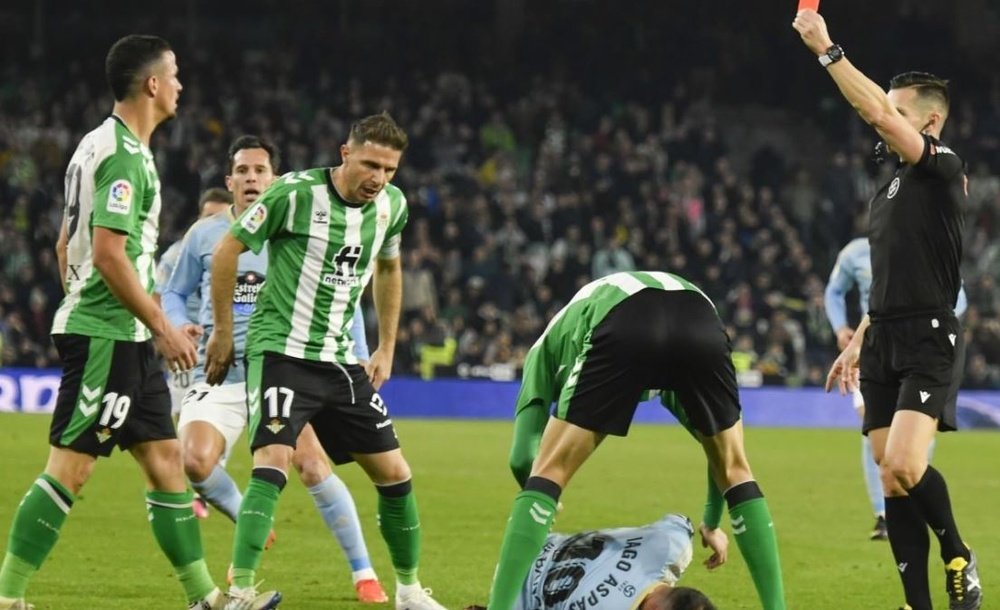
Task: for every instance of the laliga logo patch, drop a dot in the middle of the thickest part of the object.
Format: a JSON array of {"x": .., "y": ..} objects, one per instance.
[
  {"x": 254, "y": 218},
  {"x": 893, "y": 188},
  {"x": 120, "y": 197}
]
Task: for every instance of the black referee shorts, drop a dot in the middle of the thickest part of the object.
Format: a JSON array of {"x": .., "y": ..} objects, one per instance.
[
  {"x": 656, "y": 340},
  {"x": 913, "y": 363}
]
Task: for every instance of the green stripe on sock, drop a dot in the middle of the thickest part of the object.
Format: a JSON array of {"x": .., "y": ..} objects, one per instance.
[
  {"x": 758, "y": 543},
  {"x": 253, "y": 524},
  {"x": 176, "y": 531},
  {"x": 530, "y": 521},
  {"x": 399, "y": 523}
]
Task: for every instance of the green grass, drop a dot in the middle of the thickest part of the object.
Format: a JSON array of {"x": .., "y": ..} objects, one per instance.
[{"x": 107, "y": 558}]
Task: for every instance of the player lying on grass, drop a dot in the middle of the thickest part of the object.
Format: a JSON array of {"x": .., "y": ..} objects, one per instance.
[
  {"x": 619, "y": 337},
  {"x": 617, "y": 569}
]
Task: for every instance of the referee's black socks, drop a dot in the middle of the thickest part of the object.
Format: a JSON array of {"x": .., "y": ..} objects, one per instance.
[{"x": 930, "y": 496}]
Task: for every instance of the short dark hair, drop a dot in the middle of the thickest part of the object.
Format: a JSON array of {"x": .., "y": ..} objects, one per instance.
[
  {"x": 381, "y": 129},
  {"x": 128, "y": 60},
  {"x": 243, "y": 142},
  {"x": 214, "y": 194},
  {"x": 928, "y": 86},
  {"x": 686, "y": 598}
]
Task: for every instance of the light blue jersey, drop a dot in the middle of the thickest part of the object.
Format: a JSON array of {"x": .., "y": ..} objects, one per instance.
[
  {"x": 607, "y": 569},
  {"x": 165, "y": 269},
  {"x": 854, "y": 267},
  {"x": 192, "y": 275}
]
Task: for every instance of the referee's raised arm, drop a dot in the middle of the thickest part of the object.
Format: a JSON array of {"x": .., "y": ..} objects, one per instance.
[{"x": 871, "y": 102}]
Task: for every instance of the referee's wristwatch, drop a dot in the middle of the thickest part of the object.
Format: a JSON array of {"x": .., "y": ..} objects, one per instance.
[{"x": 834, "y": 54}]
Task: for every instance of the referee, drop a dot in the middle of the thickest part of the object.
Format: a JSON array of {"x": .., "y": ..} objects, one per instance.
[{"x": 909, "y": 346}]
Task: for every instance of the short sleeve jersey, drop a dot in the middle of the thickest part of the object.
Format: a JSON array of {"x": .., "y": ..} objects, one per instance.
[
  {"x": 111, "y": 182},
  {"x": 554, "y": 362},
  {"x": 916, "y": 226},
  {"x": 322, "y": 253},
  {"x": 607, "y": 569}
]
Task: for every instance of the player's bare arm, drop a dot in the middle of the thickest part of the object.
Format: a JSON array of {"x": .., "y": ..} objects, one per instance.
[
  {"x": 388, "y": 292},
  {"x": 219, "y": 349},
  {"x": 114, "y": 266},
  {"x": 869, "y": 100},
  {"x": 62, "y": 257}
]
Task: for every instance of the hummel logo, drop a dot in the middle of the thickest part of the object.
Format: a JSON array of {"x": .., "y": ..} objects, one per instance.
[
  {"x": 902, "y": 566},
  {"x": 924, "y": 396},
  {"x": 539, "y": 513},
  {"x": 952, "y": 337},
  {"x": 939, "y": 532},
  {"x": 88, "y": 405},
  {"x": 738, "y": 526},
  {"x": 254, "y": 400}
]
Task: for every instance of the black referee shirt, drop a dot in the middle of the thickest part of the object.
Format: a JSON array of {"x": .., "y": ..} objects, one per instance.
[{"x": 915, "y": 229}]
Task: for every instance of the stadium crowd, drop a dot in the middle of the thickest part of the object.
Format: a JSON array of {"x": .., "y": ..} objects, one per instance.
[{"x": 517, "y": 196}]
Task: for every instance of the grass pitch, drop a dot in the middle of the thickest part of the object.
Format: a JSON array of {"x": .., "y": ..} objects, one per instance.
[{"x": 107, "y": 557}]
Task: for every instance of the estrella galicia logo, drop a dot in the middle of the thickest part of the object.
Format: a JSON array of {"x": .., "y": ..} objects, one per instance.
[
  {"x": 247, "y": 288},
  {"x": 893, "y": 188}
]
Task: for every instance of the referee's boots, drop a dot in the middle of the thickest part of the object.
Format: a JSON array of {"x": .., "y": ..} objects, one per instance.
[{"x": 962, "y": 583}]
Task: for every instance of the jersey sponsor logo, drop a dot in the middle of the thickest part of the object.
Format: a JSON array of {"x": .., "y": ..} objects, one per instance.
[
  {"x": 254, "y": 219},
  {"x": 120, "y": 197},
  {"x": 382, "y": 221},
  {"x": 893, "y": 188},
  {"x": 345, "y": 268},
  {"x": 321, "y": 217},
  {"x": 248, "y": 287}
]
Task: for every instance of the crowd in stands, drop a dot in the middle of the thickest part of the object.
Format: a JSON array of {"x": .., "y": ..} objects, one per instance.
[{"x": 517, "y": 197}]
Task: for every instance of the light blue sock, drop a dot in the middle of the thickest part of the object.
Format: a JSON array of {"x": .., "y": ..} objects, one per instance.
[
  {"x": 872, "y": 479},
  {"x": 336, "y": 505},
  {"x": 220, "y": 490}
]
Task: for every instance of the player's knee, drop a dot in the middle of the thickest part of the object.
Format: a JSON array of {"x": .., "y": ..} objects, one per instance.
[
  {"x": 898, "y": 473},
  {"x": 199, "y": 462},
  {"x": 311, "y": 468},
  {"x": 71, "y": 474},
  {"x": 395, "y": 472}
]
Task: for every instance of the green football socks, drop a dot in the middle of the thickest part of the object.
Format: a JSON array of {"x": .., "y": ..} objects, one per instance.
[
  {"x": 33, "y": 533},
  {"x": 530, "y": 522},
  {"x": 754, "y": 533},
  {"x": 176, "y": 531},
  {"x": 399, "y": 523},
  {"x": 254, "y": 523}
]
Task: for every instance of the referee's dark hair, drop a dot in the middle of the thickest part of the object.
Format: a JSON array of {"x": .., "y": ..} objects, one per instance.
[
  {"x": 128, "y": 62},
  {"x": 243, "y": 142},
  {"x": 929, "y": 87}
]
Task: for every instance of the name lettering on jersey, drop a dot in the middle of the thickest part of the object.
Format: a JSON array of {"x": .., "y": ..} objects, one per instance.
[
  {"x": 254, "y": 218},
  {"x": 120, "y": 197},
  {"x": 345, "y": 267},
  {"x": 893, "y": 188},
  {"x": 245, "y": 294}
]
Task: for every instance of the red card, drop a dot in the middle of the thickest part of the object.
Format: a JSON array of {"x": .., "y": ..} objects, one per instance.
[{"x": 809, "y": 4}]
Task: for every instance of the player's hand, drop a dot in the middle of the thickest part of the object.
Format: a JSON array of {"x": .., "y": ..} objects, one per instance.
[
  {"x": 717, "y": 541},
  {"x": 844, "y": 336},
  {"x": 195, "y": 331},
  {"x": 178, "y": 350},
  {"x": 379, "y": 368},
  {"x": 219, "y": 356},
  {"x": 812, "y": 28},
  {"x": 845, "y": 370}
]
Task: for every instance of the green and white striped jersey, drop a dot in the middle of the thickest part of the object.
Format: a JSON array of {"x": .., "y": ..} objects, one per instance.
[
  {"x": 554, "y": 362},
  {"x": 111, "y": 182},
  {"x": 322, "y": 253}
]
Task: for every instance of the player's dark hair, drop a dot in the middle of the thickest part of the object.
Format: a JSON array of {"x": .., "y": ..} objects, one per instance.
[
  {"x": 380, "y": 129},
  {"x": 215, "y": 194},
  {"x": 244, "y": 142},
  {"x": 686, "y": 598},
  {"x": 128, "y": 62},
  {"x": 928, "y": 86}
]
